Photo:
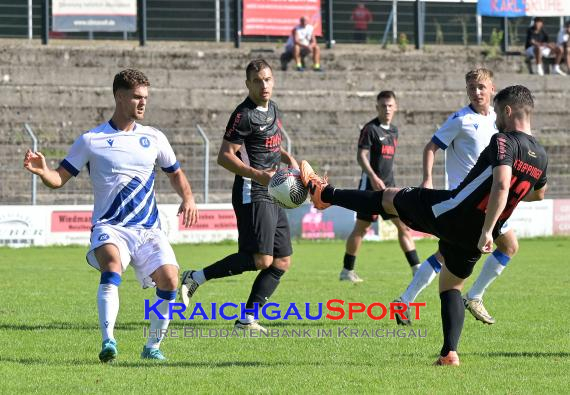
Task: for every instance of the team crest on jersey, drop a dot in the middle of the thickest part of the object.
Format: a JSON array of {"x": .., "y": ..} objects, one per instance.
[
  {"x": 110, "y": 142},
  {"x": 103, "y": 237},
  {"x": 145, "y": 142}
]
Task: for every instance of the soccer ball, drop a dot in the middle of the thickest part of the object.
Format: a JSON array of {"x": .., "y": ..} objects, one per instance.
[{"x": 286, "y": 188}]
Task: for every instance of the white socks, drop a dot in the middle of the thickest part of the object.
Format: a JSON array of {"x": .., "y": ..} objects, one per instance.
[
  {"x": 158, "y": 326},
  {"x": 422, "y": 278},
  {"x": 108, "y": 306},
  {"x": 494, "y": 265}
]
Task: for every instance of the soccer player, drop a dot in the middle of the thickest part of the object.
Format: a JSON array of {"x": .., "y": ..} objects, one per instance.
[
  {"x": 120, "y": 156},
  {"x": 251, "y": 149},
  {"x": 376, "y": 150},
  {"x": 466, "y": 219},
  {"x": 463, "y": 136}
]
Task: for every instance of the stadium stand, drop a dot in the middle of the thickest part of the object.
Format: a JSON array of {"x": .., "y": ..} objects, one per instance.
[{"x": 62, "y": 90}]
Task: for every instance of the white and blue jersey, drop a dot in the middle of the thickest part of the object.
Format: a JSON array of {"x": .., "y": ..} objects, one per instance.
[
  {"x": 464, "y": 136},
  {"x": 121, "y": 168}
]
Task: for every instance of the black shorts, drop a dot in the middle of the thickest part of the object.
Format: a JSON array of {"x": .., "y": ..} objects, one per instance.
[
  {"x": 263, "y": 229},
  {"x": 458, "y": 240},
  {"x": 364, "y": 185}
]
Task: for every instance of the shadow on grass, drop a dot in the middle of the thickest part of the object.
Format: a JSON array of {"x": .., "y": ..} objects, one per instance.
[{"x": 522, "y": 354}]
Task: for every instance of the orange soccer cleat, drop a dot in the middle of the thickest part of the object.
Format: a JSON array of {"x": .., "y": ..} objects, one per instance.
[
  {"x": 315, "y": 184},
  {"x": 452, "y": 359}
]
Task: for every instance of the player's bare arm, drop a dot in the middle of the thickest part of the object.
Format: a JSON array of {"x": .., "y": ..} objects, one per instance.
[
  {"x": 188, "y": 208},
  {"x": 228, "y": 159},
  {"x": 288, "y": 159},
  {"x": 535, "y": 195},
  {"x": 497, "y": 203},
  {"x": 35, "y": 163},
  {"x": 428, "y": 161},
  {"x": 362, "y": 158}
]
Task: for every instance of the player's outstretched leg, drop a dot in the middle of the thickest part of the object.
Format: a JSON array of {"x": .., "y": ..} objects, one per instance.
[{"x": 231, "y": 265}]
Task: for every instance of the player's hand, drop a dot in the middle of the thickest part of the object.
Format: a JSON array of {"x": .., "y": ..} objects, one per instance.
[
  {"x": 485, "y": 243},
  {"x": 264, "y": 176},
  {"x": 189, "y": 212},
  {"x": 377, "y": 184},
  {"x": 427, "y": 184},
  {"x": 35, "y": 162}
]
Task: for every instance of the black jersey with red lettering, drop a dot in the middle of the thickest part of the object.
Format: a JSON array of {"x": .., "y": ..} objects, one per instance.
[
  {"x": 258, "y": 130},
  {"x": 381, "y": 143},
  {"x": 465, "y": 211}
]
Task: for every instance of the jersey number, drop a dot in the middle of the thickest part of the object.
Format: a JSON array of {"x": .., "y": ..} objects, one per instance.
[{"x": 519, "y": 192}]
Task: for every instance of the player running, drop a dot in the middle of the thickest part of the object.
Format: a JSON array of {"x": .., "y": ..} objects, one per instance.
[
  {"x": 251, "y": 149},
  {"x": 120, "y": 156},
  {"x": 376, "y": 149},
  {"x": 468, "y": 218},
  {"x": 463, "y": 136}
]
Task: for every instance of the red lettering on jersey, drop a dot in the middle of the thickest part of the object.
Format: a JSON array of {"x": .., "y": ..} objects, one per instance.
[
  {"x": 388, "y": 150},
  {"x": 234, "y": 126},
  {"x": 273, "y": 142},
  {"x": 501, "y": 147},
  {"x": 519, "y": 191},
  {"x": 527, "y": 168}
]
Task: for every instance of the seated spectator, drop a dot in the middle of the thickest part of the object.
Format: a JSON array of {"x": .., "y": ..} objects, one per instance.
[
  {"x": 563, "y": 43},
  {"x": 537, "y": 46},
  {"x": 301, "y": 43},
  {"x": 361, "y": 17}
]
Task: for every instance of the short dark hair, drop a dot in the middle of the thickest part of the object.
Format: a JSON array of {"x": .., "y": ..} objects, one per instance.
[
  {"x": 567, "y": 24},
  {"x": 129, "y": 79},
  {"x": 538, "y": 19},
  {"x": 386, "y": 95},
  {"x": 255, "y": 66},
  {"x": 518, "y": 97}
]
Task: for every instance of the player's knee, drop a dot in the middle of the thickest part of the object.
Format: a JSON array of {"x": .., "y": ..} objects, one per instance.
[
  {"x": 262, "y": 262},
  {"x": 510, "y": 248},
  {"x": 282, "y": 263}
]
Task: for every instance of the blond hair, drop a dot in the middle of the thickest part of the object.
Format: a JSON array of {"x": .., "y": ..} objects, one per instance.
[{"x": 479, "y": 74}]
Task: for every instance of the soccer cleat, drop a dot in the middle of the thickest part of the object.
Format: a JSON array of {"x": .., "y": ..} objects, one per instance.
[
  {"x": 350, "y": 275},
  {"x": 187, "y": 287},
  {"x": 108, "y": 351},
  {"x": 452, "y": 359},
  {"x": 300, "y": 68},
  {"x": 315, "y": 183},
  {"x": 400, "y": 320},
  {"x": 476, "y": 308},
  {"x": 152, "y": 353},
  {"x": 253, "y": 326}
]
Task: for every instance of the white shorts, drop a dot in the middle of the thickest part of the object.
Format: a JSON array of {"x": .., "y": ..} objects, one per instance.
[
  {"x": 145, "y": 249},
  {"x": 505, "y": 228},
  {"x": 545, "y": 51}
]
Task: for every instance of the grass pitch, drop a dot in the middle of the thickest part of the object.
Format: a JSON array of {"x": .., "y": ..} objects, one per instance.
[{"x": 49, "y": 337}]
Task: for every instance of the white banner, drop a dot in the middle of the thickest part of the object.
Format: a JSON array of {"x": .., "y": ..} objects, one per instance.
[{"x": 94, "y": 15}]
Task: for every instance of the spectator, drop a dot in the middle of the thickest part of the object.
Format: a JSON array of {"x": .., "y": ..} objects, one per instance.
[
  {"x": 361, "y": 17},
  {"x": 537, "y": 46},
  {"x": 563, "y": 43},
  {"x": 301, "y": 43}
]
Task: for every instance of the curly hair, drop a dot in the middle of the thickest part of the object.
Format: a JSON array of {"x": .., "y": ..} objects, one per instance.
[{"x": 129, "y": 79}]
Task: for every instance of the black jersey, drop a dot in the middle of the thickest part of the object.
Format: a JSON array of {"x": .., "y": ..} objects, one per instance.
[
  {"x": 259, "y": 133},
  {"x": 465, "y": 210},
  {"x": 382, "y": 144}
]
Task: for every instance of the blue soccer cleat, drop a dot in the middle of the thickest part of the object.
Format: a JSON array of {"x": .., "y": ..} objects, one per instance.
[
  {"x": 152, "y": 353},
  {"x": 109, "y": 351}
]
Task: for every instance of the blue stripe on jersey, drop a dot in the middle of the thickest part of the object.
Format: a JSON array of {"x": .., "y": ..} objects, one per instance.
[
  {"x": 69, "y": 167},
  {"x": 432, "y": 260},
  {"x": 172, "y": 168},
  {"x": 122, "y": 196},
  {"x": 142, "y": 214},
  {"x": 438, "y": 142},
  {"x": 152, "y": 218},
  {"x": 135, "y": 202}
]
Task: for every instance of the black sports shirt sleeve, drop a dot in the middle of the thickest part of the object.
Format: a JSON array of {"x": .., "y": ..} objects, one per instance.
[
  {"x": 365, "y": 139},
  {"x": 501, "y": 151},
  {"x": 238, "y": 127}
]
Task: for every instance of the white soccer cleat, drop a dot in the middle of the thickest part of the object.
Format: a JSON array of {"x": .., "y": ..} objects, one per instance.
[
  {"x": 350, "y": 275},
  {"x": 253, "y": 326},
  {"x": 477, "y": 310}
]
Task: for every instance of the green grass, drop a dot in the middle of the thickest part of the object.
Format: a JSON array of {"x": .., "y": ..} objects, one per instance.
[{"x": 49, "y": 337}]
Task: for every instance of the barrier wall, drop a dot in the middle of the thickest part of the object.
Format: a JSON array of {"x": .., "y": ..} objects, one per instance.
[{"x": 22, "y": 226}]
